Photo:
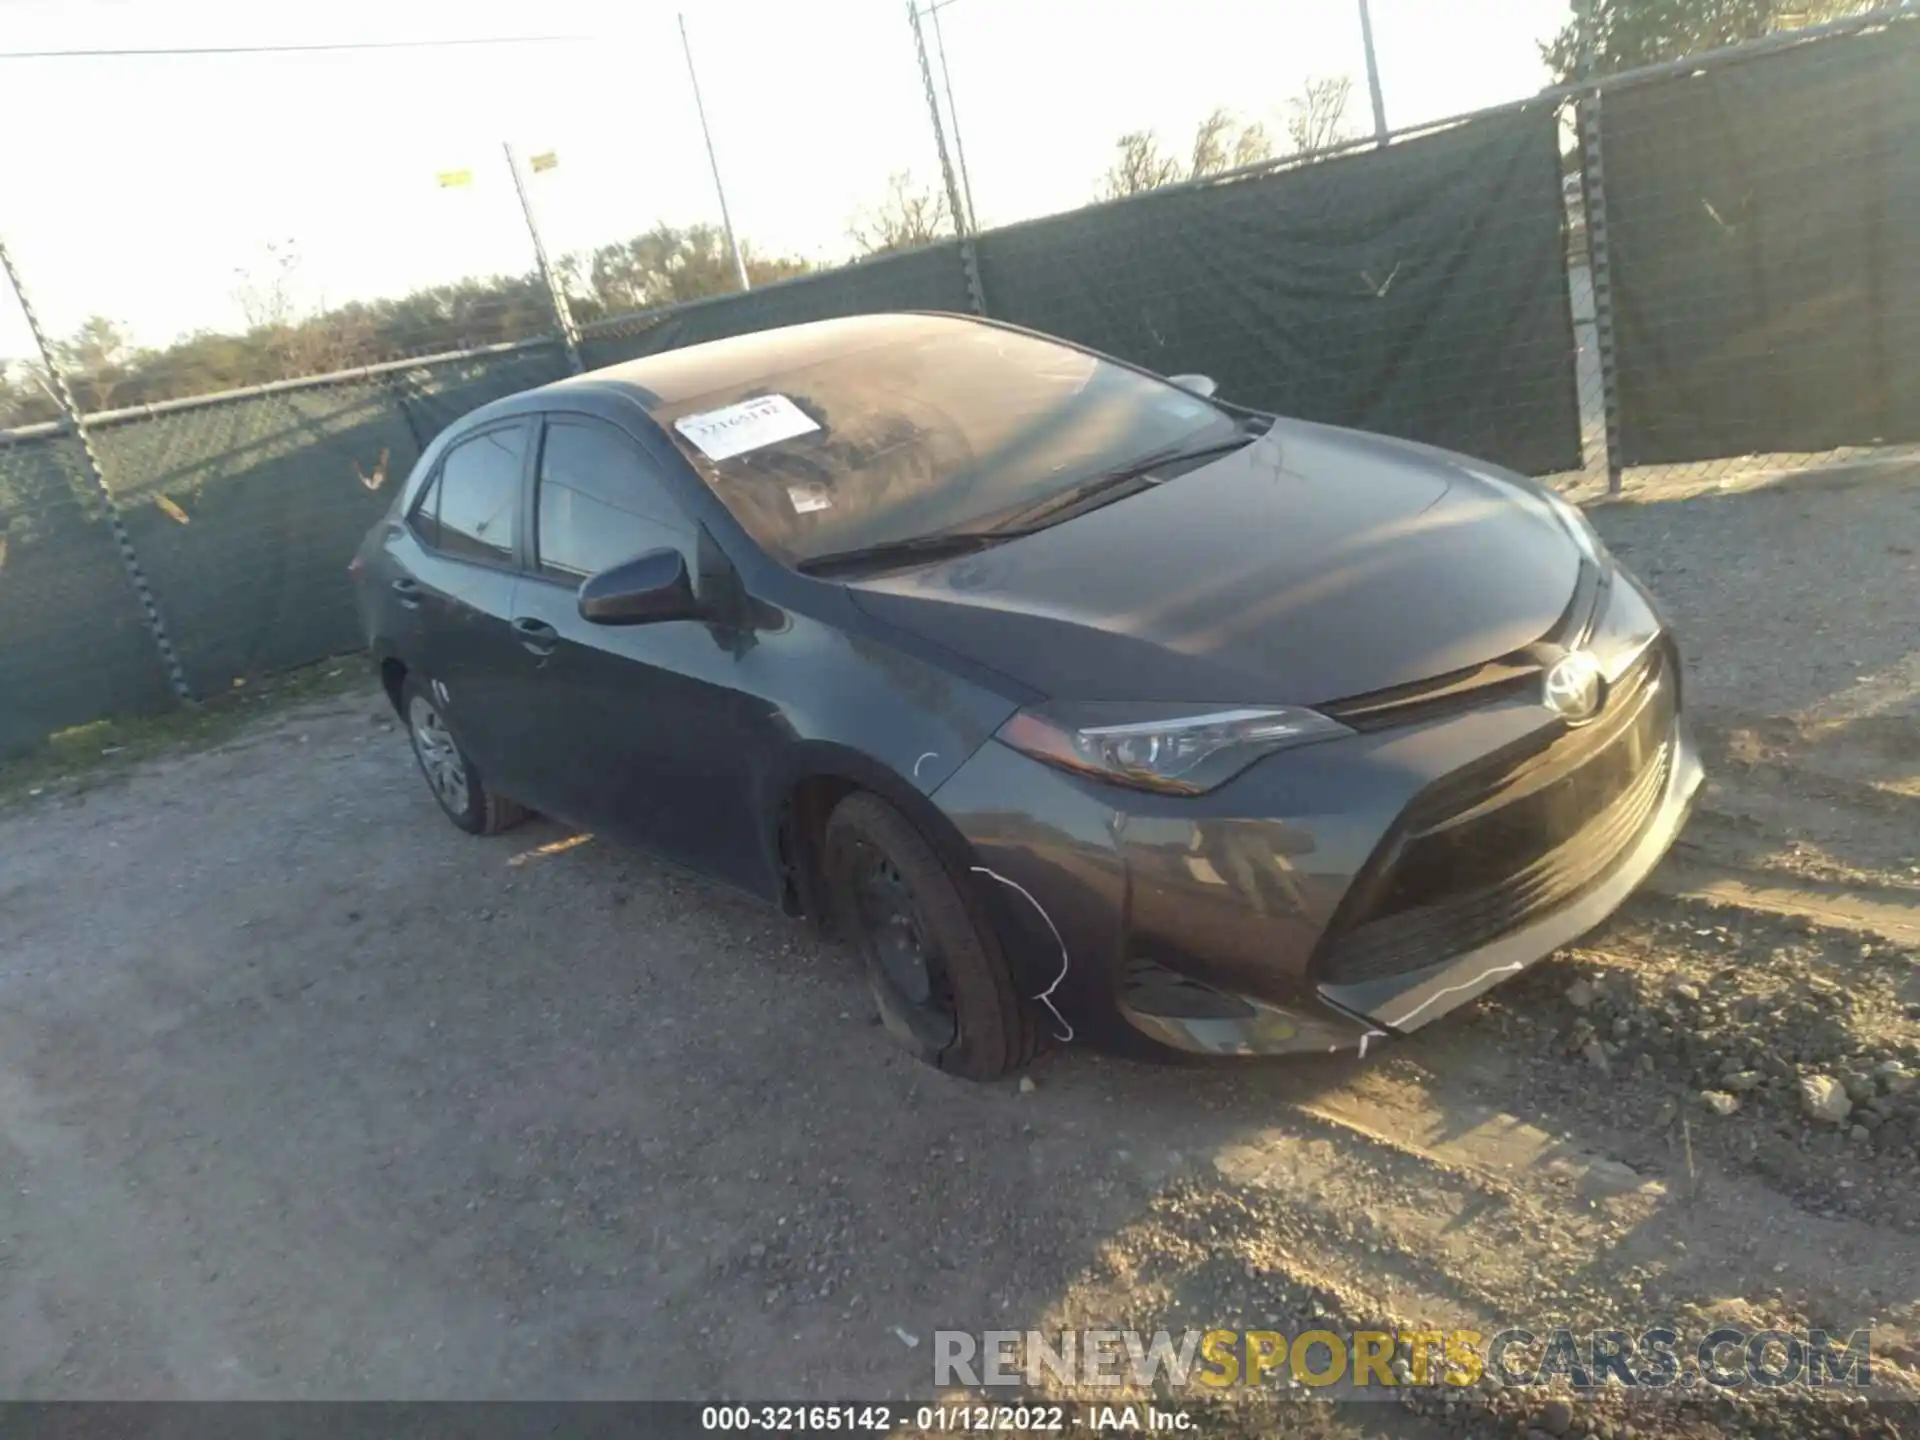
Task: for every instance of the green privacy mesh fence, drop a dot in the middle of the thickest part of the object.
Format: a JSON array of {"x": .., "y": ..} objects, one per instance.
[
  {"x": 76, "y": 646},
  {"x": 244, "y": 513},
  {"x": 1764, "y": 259},
  {"x": 1418, "y": 290}
]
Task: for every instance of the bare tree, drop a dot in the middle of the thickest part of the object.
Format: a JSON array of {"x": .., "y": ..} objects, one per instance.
[
  {"x": 1316, "y": 118},
  {"x": 1141, "y": 167},
  {"x": 299, "y": 342},
  {"x": 910, "y": 216},
  {"x": 1224, "y": 142}
]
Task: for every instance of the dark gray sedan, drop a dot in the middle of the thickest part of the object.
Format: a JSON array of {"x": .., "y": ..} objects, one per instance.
[{"x": 1087, "y": 704}]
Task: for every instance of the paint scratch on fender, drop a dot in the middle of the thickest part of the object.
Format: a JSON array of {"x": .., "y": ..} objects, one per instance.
[
  {"x": 1045, "y": 997},
  {"x": 930, "y": 755}
]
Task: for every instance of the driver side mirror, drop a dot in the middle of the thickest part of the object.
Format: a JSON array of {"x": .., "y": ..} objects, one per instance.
[
  {"x": 643, "y": 591},
  {"x": 1202, "y": 385}
]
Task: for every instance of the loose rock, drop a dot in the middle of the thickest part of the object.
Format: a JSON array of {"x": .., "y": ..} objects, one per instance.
[
  {"x": 1825, "y": 1099},
  {"x": 1719, "y": 1102},
  {"x": 1894, "y": 1077}
]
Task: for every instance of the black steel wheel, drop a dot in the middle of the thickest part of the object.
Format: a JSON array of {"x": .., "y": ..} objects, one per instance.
[{"x": 937, "y": 975}]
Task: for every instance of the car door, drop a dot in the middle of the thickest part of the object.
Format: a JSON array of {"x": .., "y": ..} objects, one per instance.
[
  {"x": 461, "y": 588},
  {"x": 652, "y": 721}
]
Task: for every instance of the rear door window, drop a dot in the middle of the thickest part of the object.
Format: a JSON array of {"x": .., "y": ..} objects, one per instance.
[{"x": 477, "y": 495}]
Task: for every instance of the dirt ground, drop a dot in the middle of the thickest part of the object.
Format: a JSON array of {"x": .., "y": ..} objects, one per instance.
[{"x": 303, "y": 1093}]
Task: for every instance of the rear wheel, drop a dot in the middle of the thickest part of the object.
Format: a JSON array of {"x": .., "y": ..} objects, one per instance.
[
  {"x": 455, "y": 784},
  {"x": 937, "y": 975}
]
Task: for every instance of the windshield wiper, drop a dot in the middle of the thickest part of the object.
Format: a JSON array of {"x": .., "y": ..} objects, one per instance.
[
  {"x": 943, "y": 544},
  {"x": 1130, "y": 478},
  {"x": 937, "y": 546}
]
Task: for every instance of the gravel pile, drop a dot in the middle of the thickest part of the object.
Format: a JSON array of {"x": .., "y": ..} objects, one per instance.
[{"x": 1779, "y": 1045}]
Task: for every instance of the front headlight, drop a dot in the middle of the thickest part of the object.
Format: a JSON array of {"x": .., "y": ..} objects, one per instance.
[{"x": 1175, "y": 753}]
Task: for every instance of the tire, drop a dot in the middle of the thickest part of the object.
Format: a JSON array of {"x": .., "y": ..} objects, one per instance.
[
  {"x": 936, "y": 972},
  {"x": 451, "y": 778}
]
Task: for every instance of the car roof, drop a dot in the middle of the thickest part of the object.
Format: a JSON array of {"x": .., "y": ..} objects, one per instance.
[{"x": 674, "y": 376}]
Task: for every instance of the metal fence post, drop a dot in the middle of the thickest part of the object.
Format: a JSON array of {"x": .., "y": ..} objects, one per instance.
[
  {"x": 63, "y": 396},
  {"x": 1599, "y": 251},
  {"x": 962, "y": 222},
  {"x": 557, "y": 297},
  {"x": 1373, "y": 75}
]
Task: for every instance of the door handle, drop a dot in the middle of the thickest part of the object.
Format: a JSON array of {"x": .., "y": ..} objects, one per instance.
[
  {"x": 536, "y": 635},
  {"x": 409, "y": 592}
]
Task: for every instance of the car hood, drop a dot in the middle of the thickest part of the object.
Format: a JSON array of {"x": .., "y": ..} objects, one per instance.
[{"x": 1316, "y": 564}]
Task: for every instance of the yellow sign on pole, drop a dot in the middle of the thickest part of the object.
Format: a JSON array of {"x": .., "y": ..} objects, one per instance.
[
  {"x": 450, "y": 178},
  {"x": 546, "y": 160}
]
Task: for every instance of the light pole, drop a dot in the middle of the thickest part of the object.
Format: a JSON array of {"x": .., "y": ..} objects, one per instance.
[
  {"x": 1373, "y": 75},
  {"x": 953, "y": 115},
  {"x": 955, "y": 203},
  {"x": 726, "y": 220},
  {"x": 556, "y": 293}
]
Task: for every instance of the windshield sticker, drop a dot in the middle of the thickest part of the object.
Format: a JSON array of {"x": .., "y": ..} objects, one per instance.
[
  {"x": 808, "y": 498},
  {"x": 750, "y": 425}
]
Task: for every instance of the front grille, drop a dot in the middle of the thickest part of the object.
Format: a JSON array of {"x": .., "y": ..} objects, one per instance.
[{"x": 1485, "y": 852}]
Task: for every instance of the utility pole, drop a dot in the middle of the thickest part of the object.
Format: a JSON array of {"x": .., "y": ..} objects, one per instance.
[
  {"x": 557, "y": 297},
  {"x": 960, "y": 214},
  {"x": 70, "y": 412},
  {"x": 1373, "y": 75},
  {"x": 953, "y": 114},
  {"x": 713, "y": 161}
]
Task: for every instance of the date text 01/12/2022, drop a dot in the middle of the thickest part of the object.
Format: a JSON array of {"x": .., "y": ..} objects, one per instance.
[{"x": 956, "y": 1419}]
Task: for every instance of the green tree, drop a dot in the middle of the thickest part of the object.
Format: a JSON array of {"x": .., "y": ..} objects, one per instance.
[
  {"x": 284, "y": 340},
  {"x": 1632, "y": 33},
  {"x": 97, "y": 360},
  {"x": 24, "y": 399},
  {"x": 669, "y": 265}
]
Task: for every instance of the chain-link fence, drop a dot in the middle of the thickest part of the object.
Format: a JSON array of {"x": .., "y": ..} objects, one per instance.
[{"x": 1696, "y": 270}]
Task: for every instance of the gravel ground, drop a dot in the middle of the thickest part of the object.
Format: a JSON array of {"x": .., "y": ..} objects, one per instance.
[
  {"x": 303, "y": 1093},
  {"x": 1799, "y": 599}
]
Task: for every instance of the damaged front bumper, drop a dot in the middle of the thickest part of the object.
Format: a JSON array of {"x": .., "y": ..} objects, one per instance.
[{"x": 1278, "y": 914}]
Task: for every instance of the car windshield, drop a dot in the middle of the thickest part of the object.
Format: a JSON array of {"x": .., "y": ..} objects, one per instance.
[{"x": 931, "y": 428}]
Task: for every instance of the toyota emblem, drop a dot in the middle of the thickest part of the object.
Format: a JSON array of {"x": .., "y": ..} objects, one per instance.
[{"x": 1574, "y": 688}]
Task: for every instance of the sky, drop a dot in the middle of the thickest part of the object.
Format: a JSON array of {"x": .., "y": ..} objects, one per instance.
[{"x": 146, "y": 188}]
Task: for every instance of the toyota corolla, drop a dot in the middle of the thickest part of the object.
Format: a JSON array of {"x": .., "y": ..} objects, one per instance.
[{"x": 1086, "y": 704}]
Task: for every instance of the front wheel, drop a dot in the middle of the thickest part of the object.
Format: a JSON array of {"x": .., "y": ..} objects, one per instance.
[
  {"x": 450, "y": 775},
  {"x": 937, "y": 975}
]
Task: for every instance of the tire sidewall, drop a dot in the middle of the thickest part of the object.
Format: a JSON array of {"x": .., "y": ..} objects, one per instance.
[
  {"x": 989, "y": 1018},
  {"x": 473, "y": 818}
]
